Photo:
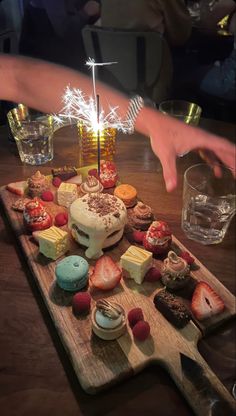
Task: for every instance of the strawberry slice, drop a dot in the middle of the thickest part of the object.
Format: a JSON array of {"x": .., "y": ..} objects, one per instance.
[
  {"x": 106, "y": 274},
  {"x": 206, "y": 302},
  {"x": 17, "y": 188}
]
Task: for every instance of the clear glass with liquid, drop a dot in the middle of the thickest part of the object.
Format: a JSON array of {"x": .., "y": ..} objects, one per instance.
[
  {"x": 208, "y": 204},
  {"x": 34, "y": 141}
]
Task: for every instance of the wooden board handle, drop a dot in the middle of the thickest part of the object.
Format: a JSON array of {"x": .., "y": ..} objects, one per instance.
[{"x": 200, "y": 386}]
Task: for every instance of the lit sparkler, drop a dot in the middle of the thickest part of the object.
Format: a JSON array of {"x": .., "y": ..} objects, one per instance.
[{"x": 77, "y": 106}]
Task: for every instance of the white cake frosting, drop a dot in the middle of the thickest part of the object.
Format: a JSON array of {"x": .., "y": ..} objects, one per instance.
[{"x": 97, "y": 221}]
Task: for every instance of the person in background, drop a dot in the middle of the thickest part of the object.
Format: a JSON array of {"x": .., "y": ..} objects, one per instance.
[
  {"x": 26, "y": 80},
  {"x": 169, "y": 18},
  {"x": 51, "y": 30},
  {"x": 219, "y": 79}
]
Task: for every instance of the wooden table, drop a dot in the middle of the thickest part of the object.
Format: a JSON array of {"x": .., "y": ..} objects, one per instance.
[{"x": 36, "y": 377}]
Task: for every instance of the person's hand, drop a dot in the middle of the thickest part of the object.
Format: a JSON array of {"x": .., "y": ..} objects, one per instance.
[
  {"x": 92, "y": 8},
  {"x": 173, "y": 139}
]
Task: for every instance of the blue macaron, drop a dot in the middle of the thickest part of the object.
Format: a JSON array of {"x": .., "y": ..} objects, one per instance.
[{"x": 72, "y": 273}]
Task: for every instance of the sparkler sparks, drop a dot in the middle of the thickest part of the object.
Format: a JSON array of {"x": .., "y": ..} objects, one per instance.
[{"x": 78, "y": 107}]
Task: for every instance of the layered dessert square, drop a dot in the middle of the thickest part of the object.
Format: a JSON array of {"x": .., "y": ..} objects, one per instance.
[{"x": 136, "y": 261}]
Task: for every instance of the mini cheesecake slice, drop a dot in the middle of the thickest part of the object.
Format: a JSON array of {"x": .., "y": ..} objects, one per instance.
[{"x": 136, "y": 261}]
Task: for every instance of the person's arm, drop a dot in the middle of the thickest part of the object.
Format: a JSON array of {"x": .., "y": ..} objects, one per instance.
[{"x": 41, "y": 85}]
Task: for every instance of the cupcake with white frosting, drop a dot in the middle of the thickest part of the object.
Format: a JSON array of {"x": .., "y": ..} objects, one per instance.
[{"x": 91, "y": 185}]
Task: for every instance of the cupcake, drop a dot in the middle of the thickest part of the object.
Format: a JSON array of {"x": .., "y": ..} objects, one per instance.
[
  {"x": 108, "y": 320},
  {"x": 37, "y": 184},
  {"x": 175, "y": 272},
  {"x": 127, "y": 194},
  {"x": 158, "y": 238},
  {"x": 35, "y": 217},
  {"x": 141, "y": 216},
  {"x": 72, "y": 273},
  {"x": 91, "y": 185},
  {"x": 108, "y": 174}
]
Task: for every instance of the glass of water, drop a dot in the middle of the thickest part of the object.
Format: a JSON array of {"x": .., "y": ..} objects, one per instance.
[
  {"x": 209, "y": 203},
  {"x": 33, "y": 135}
]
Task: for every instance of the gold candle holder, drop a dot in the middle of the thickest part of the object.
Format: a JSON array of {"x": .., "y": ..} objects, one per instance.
[{"x": 88, "y": 146}]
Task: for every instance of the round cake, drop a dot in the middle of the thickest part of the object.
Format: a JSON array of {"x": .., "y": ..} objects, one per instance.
[
  {"x": 72, "y": 273},
  {"x": 97, "y": 221}
]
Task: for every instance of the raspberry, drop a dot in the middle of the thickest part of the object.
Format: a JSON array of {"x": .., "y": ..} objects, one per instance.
[
  {"x": 152, "y": 275},
  {"x": 47, "y": 196},
  {"x": 135, "y": 315},
  {"x": 138, "y": 236},
  {"x": 187, "y": 257},
  {"x": 61, "y": 219},
  {"x": 141, "y": 330},
  {"x": 81, "y": 302},
  {"x": 56, "y": 181}
]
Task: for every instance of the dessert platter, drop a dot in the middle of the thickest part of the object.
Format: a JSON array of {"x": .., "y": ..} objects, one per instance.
[{"x": 122, "y": 291}]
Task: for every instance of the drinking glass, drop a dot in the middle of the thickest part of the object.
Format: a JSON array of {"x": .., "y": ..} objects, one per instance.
[
  {"x": 88, "y": 144},
  {"x": 208, "y": 203},
  {"x": 33, "y": 135},
  {"x": 182, "y": 110}
]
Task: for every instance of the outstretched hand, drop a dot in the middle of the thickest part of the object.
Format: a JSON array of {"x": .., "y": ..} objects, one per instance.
[{"x": 172, "y": 139}]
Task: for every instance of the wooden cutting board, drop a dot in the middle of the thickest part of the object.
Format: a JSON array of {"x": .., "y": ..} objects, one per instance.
[{"x": 100, "y": 364}]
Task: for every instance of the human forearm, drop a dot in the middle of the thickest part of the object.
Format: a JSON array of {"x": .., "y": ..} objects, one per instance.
[{"x": 41, "y": 85}]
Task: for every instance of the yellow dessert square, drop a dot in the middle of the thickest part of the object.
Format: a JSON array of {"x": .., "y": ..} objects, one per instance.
[
  {"x": 136, "y": 261},
  {"x": 66, "y": 194},
  {"x": 53, "y": 242}
]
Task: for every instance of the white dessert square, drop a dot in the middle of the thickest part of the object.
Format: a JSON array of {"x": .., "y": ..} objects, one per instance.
[
  {"x": 53, "y": 242},
  {"x": 66, "y": 194},
  {"x": 136, "y": 261}
]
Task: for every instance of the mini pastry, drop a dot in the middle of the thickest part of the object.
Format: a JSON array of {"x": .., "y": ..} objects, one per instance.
[
  {"x": 127, "y": 193},
  {"x": 175, "y": 272},
  {"x": 35, "y": 217},
  {"x": 91, "y": 185},
  {"x": 53, "y": 242},
  {"x": 158, "y": 238},
  {"x": 136, "y": 261},
  {"x": 141, "y": 216},
  {"x": 64, "y": 173},
  {"x": 37, "y": 183},
  {"x": 172, "y": 308},
  {"x": 66, "y": 194},
  {"x": 97, "y": 221},
  {"x": 108, "y": 174},
  {"x": 72, "y": 273},
  {"x": 108, "y": 320}
]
